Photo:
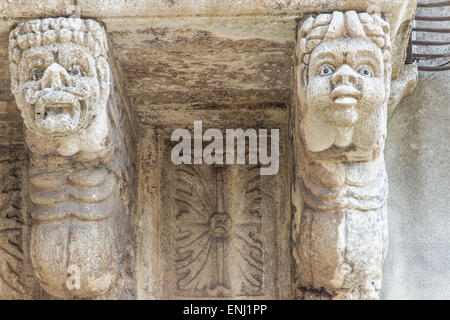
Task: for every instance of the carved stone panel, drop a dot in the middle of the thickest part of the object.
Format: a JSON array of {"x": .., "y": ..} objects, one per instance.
[
  {"x": 91, "y": 204},
  {"x": 221, "y": 224},
  {"x": 218, "y": 252},
  {"x": 219, "y": 229},
  {"x": 11, "y": 224}
]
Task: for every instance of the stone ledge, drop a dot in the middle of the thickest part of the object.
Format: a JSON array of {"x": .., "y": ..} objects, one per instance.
[{"x": 18, "y": 9}]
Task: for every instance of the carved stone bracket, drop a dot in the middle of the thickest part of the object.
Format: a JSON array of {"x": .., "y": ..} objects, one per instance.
[
  {"x": 62, "y": 83},
  {"x": 339, "y": 120}
]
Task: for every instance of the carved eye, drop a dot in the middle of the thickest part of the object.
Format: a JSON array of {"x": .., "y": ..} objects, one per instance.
[
  {"x": 75, "y": 71},
  {"x": 326, "y": 70},
  {"x": 365, "y": 71},
  {"x": 37, "y": 74}
]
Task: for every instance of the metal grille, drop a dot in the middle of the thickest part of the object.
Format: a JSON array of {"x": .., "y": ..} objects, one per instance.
[{"x": 412, "y": 56}]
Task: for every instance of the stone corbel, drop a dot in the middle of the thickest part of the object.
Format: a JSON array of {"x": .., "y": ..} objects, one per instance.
[
  {"x": 62, "y": 83},
  {"x": 343, "y": 89}
]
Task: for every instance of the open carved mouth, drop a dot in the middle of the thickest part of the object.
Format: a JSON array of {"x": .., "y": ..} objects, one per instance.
[
  {"x": 57, "y": 112},
  {"x": 343, "y": 111},
  {"x": 346, "y": 101}
]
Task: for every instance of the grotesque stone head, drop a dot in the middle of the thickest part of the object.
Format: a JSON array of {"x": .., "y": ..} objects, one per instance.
[
  {"x": 60, "y": 78},
  {"x": 343, "y": 80}
]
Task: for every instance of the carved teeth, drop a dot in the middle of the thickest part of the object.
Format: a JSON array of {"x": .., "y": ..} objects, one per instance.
[
  {"x": 345, "y": 95},
  {"x": 57, "y": 111},
  {"x": 346, "y": 101}
]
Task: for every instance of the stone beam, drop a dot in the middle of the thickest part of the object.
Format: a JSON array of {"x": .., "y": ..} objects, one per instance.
[{"x": 398, "y": 9}]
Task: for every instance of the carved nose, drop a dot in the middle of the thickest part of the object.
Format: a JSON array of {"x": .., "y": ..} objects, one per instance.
[
  {"x": 345, "y": 75},
  {"x": 55, "y": 77}
]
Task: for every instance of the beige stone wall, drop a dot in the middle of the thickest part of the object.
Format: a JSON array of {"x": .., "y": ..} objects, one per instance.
[
  {"x": 417, "y": 154},
  {"x": 417, "y": 159}
]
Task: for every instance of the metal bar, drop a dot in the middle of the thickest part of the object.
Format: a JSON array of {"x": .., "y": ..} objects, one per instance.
[
  {"x": 435, "y": 4},
  {"x": 431, "y": 30},
  {"x": 409, "y": 51},
  {"x": 431, "y": 55},
  {"x": 424, "y": 68},
  {"x": 430, "y": 43},
  {"x": 423, "y": 18}
]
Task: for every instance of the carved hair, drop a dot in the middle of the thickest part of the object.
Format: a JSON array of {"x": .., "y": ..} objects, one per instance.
[
  {"x": 347, "y": 24},
  {"x": 49, "y": 31}
]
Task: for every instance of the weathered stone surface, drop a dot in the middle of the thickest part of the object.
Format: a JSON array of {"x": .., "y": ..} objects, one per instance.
[
  {"x": 193, "y": 61},
  {"x": 157, "y": 8},
  {"x": 339, "y": 128},
  {"x": 11, "y": 223},
  {"x": 417, "y": 163},
  {"x": 194, "y": 58},
  {"x": 417, "y": 153},
  {"x": 26, "y": 8},
  {"x": 216, "y": 232},
  {"x": 217, "y": 116},
  {"x": 61, "y": 81},
  {"x": 108, "y": 8},
  {"x": 231, "y": 64}
]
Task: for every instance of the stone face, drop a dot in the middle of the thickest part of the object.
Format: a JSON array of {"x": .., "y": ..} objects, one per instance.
[
  {"x": 61, "y": 80},
  {"x": 339, "y": 128}
]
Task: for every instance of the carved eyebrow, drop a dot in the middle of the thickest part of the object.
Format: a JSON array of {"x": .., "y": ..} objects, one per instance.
[
  {"x": 363, "y": 55},
  {"x": 368, "y": 57},
  {"x": 326, "y": 55},
  {"x": 31, "y": 55},
  {"x": 74, "y": 56}
]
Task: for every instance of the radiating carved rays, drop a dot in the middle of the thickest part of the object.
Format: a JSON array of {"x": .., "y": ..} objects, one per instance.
[{"x": 216, "y": 248}]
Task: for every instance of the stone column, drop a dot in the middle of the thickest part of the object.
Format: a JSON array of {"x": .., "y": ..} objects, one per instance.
[
  {"x": 342, "y": 91},
  {"x": 62, "y": 84}
]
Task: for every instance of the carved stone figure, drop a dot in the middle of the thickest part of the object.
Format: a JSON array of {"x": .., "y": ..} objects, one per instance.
[
  {"x": 61, "y": 81},
  {"x": 340, "y": 224}
]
